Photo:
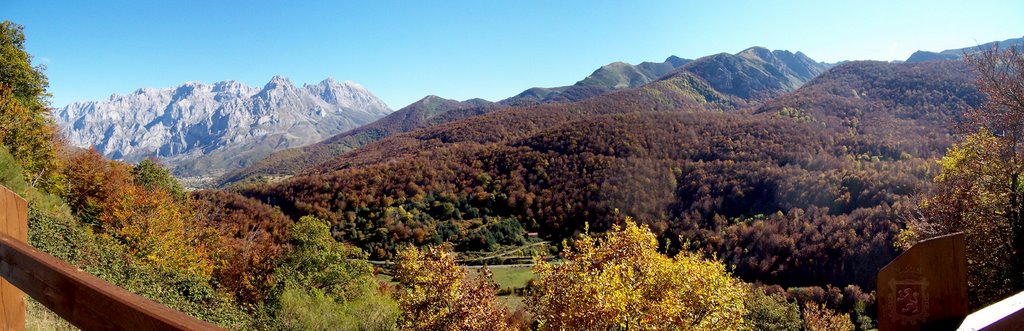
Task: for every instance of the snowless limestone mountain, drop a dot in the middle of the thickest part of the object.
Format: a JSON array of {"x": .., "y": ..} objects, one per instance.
[{"x": 203, "y": 130}]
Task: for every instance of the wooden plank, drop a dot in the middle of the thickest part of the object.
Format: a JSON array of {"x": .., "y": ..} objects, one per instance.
[
  {"x": 1005, "y": 315},
  {"x": 925, "y": 288},
  {"x": 84, "y": 300},
  {"x": 14, "y": 223}
]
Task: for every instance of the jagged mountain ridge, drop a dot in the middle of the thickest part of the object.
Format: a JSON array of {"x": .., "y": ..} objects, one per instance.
[
  {"x": 204, "y": 129},
  {"x": 756, "y": 73}
]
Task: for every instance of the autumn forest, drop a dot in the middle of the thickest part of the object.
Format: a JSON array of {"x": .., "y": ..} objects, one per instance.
[{"x": 734, "y": 192}]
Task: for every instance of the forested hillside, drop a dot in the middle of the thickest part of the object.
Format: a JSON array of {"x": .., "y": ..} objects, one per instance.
[
  {"x": 914, "y": 107},
  {"x": 431, "y": 110},
  {"x": 804, "y": 190},
  {"x": 958, "y": 54},
  {"x": 685, "y": 89},
  {"x": 755, "y": 73}
]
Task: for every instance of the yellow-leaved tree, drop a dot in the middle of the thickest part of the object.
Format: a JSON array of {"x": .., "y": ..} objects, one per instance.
[
  {"x": 438, "y": 295},
  {"x": 817, "y": 317},
  {"x": 27, "y": 128},
  {"x": 622, "y": 282},
  {"x": 158, "y": 230}
]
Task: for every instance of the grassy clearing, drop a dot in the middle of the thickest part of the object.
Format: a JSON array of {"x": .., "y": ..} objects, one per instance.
[
  {"x": 508, "y": 278},
  {"x": 512, "y": 277}
]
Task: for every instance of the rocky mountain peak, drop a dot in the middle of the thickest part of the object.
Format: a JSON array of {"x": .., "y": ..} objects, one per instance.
[
  {"x": 205, "y": 129},
  {"x": 278, "y": 83},
  {"x": 757, "y": 52}
]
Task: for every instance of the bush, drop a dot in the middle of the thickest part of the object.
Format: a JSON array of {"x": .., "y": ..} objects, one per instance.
[
  {"x": 819, "y": 318},
  {"x": 436, "y": 294},
  {"x": 326, "y": 284},
  {"x": 312, "y": 309},
  {"x": 772, "y": 312},
  {"x": 624, "y": 282}
]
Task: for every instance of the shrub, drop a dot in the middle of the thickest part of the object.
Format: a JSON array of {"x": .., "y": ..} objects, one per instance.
[{"x": 623, "y": 282}]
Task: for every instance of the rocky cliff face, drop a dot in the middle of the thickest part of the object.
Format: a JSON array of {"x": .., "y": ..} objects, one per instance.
[{"x": 205, "y": 129}]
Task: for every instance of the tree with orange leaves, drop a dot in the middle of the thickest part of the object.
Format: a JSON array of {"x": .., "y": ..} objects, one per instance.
[
  {"x": 157, "y": 230},
  {"x": 817, "y": 317}
]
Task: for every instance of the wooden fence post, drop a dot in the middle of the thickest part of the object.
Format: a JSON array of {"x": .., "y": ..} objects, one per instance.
[
  {"x": 14, "y": 223},
  {"x": 925, "y": 288}
]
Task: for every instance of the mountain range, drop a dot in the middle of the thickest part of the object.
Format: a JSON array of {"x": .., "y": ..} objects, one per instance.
[
  {"x": 792, "y": 171},
  {"x": 240, "y": 133},
  {"x": 958, "y": 53},
  {"x": 610, "y": 77},
  {"x": 752, "y": 74},
  {"x": 205, "y": 129}
]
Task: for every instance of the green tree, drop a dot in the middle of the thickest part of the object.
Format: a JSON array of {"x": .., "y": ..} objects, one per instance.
[
  {"x": 151, "y": 175},
  {"x": 27, "y": 82},
  {"x": 327, "y": 284},
  {"x": 311, "y": 309},
  {"x": 11, "y": 173},
  {"x": 318, "y": 261},
  {"x": 772, "y": 312}
]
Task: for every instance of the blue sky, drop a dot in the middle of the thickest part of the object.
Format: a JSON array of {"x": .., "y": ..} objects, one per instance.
[{"x": 403, "y": 51}]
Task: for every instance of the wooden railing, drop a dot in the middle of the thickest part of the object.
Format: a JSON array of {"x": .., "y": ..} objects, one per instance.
[
  {"x": 925, "y": 288},
  {"x": 80, "y": 298}
]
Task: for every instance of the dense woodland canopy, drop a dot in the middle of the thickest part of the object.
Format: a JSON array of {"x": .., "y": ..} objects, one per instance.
[{"x": 428, "y": 111}]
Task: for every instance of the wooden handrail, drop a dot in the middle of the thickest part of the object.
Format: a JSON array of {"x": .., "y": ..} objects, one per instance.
[
  {"x": 85, "y": 300},
  {"x": 82, "y": 299}
]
